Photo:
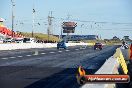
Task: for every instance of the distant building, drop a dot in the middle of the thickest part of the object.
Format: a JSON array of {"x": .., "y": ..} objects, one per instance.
[
  {"x": 1, "y": 22},
  {"x": 126, "y": 38},
  {"x": 79, "y": 37},
  {"x": 115, "y": 38}
]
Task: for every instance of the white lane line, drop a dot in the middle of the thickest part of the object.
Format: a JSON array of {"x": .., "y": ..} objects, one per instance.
[
  {"x": 59, "y": 51},
  {"x": 28, "y": 55},
  {"x": 82, "y": 48},
  {"x": 52, "y": 52},
  {"x": 76, "y": 49},
  {"x": 19, "y": 56},
  {"x": 35, "y": 54},
  {"x": 12, "y": 57},
  {"x": 43, "y": 53},
  {"x": 67, "y": 50},
  {"x": 4, "y": 58}
]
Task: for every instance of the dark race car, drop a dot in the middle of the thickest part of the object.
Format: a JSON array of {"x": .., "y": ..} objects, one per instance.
[{"x": 98, "y": 46}]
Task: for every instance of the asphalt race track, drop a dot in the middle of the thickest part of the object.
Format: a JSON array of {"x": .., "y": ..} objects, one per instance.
[{"x": 49, "y": 68}]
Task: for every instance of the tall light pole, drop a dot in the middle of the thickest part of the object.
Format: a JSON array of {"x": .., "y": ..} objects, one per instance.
[
  {"x": 12, "y": 1},
  {"x": 33, "y": 14}
]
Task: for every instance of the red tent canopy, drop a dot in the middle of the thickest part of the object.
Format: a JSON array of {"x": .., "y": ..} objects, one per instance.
[{"x": 8, "y": 32}]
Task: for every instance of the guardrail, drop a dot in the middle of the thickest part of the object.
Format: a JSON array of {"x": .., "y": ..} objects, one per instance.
[
  {"x": 12, "y": 46},
  {"x": 110, "y": 67}
]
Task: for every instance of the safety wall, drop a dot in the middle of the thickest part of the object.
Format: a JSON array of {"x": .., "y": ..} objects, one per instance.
[{"x": 12, "y": 46}]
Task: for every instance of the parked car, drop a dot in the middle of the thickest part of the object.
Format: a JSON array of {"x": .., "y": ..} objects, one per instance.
[
  {"x": 61, "y": 44},
  {"x": 8, "y": 40},
  {"x": 1, "y": 40},
  {"x": 28, "y": 40},
  {"x": 98, "y": 46},
  {"x": 19, "y": 40}
]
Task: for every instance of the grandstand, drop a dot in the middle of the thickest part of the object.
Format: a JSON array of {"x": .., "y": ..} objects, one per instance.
[{"x": 6, "y": 32}]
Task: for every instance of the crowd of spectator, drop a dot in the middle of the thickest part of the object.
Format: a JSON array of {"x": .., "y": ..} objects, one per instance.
[{"x": 45, "y": 41}]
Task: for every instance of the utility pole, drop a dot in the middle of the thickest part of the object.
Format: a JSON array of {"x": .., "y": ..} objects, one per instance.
[
  {"x": 13, "y": 4},
  {"x": 50, "y": 24},
  {"x": 33, "y": 14},
  {"x": 61, "y": 32}
]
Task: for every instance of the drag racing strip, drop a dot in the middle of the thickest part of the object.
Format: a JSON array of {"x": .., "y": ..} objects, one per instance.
[
  {"x": 34, "y": 53},
  {"x": 43, "y": 54},
  {"x": 40, "y": 53},
  {"x": 44, "y": 69}
]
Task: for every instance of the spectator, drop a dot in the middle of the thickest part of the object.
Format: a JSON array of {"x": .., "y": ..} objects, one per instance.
[
  {"x": 130, "y": 67},
  {"x": 123, "y": 43},
  {"x": 131, "y": 52}
]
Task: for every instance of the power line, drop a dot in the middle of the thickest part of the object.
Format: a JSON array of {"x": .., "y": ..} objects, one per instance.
[{"x": 99, "y": 22}]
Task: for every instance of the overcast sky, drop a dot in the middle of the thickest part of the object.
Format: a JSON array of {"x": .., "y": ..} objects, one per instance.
[{"x": 106, "y": 18}]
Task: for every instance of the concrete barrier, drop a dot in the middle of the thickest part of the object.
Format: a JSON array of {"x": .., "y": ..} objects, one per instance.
[
  {"x": 25, "y": 46},
  {"x": 121, "y": 60},
  {"x": 13, "y": 46},
  {"x": 126, "y": 53},
  {"x": 110, "y": 67}
]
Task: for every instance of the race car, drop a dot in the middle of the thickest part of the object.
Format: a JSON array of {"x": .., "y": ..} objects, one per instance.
[
  {"x": 61, "y": 44},
  {"x": 98, "y": 46}
]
